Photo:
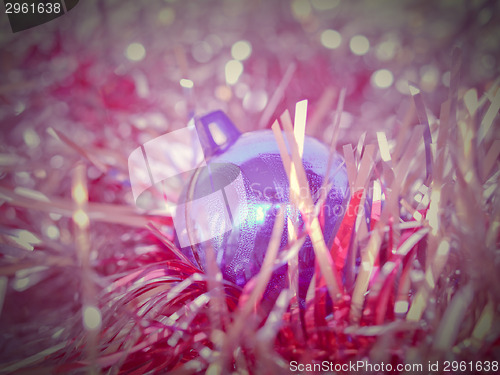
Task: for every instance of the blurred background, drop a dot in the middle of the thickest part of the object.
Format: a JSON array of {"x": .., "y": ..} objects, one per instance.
[{"x": 122, "y": 66}]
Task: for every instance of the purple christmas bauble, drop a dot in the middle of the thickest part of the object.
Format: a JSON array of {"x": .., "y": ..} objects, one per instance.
[{"x": 230, "y": 205}]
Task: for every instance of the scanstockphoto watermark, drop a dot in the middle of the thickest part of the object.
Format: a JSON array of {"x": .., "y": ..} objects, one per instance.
[
  {"x": 429, "y": 367},
  {"x": 355, "y": 366},
  {"x": 280, "y": 194}
]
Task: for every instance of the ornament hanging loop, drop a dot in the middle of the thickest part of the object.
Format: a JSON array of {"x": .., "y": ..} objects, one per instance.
[{"x": 216, "y": 132}]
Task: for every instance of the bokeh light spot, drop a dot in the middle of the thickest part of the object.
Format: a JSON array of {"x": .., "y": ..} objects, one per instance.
[
  {"x": 402, "y": 86},
  {"x": 31, "y": 138},
  {"x": 166, "y": 16},
  {"x": 91, "y": 318},
  {"x": 233, "y": 71},
  {"x": 202, "y": 52},
  {"x": 135, "y": 52},
  {"x": 331, "y": 39},
  {"x": 52, "y": 232},
  {"x": 429, "y": 78},
  {"x": 80, "y": 194},
  {"x": 359, "y": 45},
  {"x": 386, "y": 50},
  {"x": 241, "y": 89},
  {"x": 301, "y": 8},
  {"x": 81, "y": 219},
  {"x": 324, "y": 4},
  {"x": 223, "y": 93},
  {"x": 445, "y": 79},
  {"x": 382, "y": 78},
  {"x": 255, "y": 101},
  {"x": 186, "y": 83},
  {"x": 56, "y": 161},
  {"x": 241, "y": 50}
]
